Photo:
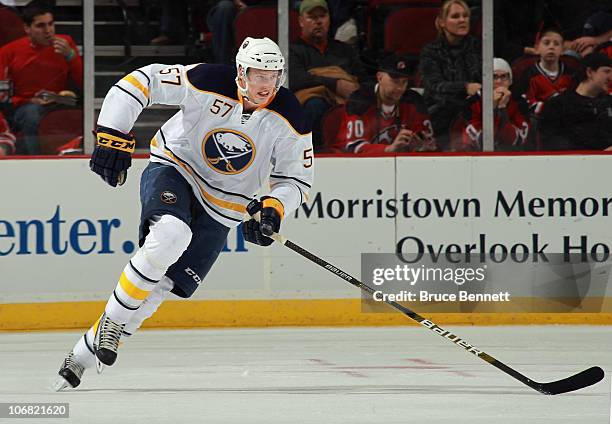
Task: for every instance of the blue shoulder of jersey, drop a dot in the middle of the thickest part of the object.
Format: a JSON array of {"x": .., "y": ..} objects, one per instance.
[
  {"x": 214, "y": 78},
  {"x": 286, "y": 104}
]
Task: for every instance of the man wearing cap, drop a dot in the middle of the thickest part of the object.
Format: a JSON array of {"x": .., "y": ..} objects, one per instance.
[
  {"x": 386, "y": 117},
  {"x": 322, "y": 71},
  {"x": 581, "y": 119},
  {"x": 511, "y": 125}
]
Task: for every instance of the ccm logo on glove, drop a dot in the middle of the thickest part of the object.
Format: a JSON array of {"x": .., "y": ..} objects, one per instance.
[{"x": 108, "y": 140}]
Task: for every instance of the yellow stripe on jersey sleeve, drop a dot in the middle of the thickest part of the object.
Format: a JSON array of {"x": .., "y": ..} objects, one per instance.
[
  {"x": 132, "y": 80},
  {"x": 131, "y": 290}
]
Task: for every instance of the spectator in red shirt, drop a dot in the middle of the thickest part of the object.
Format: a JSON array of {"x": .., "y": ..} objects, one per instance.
[
  {"x": 548, "y": 76},
  {"x": 511, "y": 127},
  {"x": 37, "y": 63},
  {"x": 386, "y": 117}
]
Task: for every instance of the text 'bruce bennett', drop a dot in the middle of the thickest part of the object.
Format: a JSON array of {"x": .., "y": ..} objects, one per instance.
[{"x": 425, "y": 296}]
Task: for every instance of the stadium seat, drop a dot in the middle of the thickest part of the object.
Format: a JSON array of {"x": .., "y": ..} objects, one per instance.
[
  {"x": 58, "y": 127},
  {"x": 407, "y": 30},
  {"x": 330, "y": 125},
  {"x": 262, "y": 21},
  {"x": 11, "y": 25}
]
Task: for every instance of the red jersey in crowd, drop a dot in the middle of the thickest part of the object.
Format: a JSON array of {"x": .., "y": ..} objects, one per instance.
[
  {"x": 536, "y": 85},
  {"x": 34, "y": 68},
  {"x": 366, "y": 128},
  {"x": 511, "y": 127}
]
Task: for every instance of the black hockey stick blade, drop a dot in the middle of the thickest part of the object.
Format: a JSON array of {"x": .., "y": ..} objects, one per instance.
[{"x": 578, "y": 381}]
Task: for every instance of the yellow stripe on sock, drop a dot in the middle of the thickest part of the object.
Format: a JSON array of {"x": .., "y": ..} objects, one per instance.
[
  {"x": 95, "y": 326},
  {"x": 131, "y": 289}
]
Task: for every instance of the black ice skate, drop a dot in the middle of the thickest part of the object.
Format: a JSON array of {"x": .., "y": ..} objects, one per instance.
[
  {"x": 106, "y": 341},
  {"x": 70, "y": 373}
]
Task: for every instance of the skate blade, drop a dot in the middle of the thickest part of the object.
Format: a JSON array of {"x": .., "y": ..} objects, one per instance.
[
  {"x": 60, "y": 384},
  {"x": 99, "y": 366}
]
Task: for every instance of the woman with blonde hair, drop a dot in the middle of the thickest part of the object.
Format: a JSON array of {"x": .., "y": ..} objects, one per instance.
[{"x": 450, "y": 67}]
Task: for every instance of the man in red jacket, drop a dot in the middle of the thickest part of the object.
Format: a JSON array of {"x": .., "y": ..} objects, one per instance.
[
  {"x": 39, "y": 63},
  {"x": 386, "y": 117}
]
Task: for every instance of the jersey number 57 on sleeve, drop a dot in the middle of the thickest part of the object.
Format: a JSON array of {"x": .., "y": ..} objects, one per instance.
[{"x": 177, "y": 71}]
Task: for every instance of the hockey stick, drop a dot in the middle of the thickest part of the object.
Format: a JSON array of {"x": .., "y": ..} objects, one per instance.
[{"x": 577, "y": 381}]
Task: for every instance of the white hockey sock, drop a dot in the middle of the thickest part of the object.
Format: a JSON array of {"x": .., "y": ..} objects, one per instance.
[
  {"x": 137, "y": 280},
  {"x": 149, "y": 306},
  {"x": 83, "y": 350},
  {"x": 167, "y": 240}
]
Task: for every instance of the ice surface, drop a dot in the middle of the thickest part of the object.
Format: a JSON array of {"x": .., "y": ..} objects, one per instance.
[{"x": 317, "y": 375}]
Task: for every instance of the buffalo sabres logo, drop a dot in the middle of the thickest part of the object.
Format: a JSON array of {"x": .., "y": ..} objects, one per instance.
[
  {"x": 168, "y": 197},
  {"x": 228, "y": 151}
]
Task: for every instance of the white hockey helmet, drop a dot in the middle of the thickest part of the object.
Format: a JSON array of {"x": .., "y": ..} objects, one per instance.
[{"x": 259, "y": 53}]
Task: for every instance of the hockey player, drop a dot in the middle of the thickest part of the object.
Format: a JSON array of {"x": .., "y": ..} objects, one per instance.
[{"x": 206, "y": 167}]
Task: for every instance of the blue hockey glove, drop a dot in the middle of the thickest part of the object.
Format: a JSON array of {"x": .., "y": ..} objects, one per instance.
[
  {"x": 112, "y": 156},
  {"x": 271, "y": 213}
]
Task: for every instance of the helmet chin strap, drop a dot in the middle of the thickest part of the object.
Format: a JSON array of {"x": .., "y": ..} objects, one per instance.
[{"x": 244, "y": 92}]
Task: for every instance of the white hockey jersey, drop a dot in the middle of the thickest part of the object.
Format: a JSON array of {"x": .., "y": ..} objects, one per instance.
[{"x": 224, "y": 154}]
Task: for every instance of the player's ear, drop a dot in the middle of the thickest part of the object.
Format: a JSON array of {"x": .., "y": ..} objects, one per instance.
[{"x": 241, "y": 77}]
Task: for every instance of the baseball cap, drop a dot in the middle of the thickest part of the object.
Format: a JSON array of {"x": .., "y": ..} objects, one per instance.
[
  {"x": 596, "y": 60},
  {"x": 395, "y": 65},
  {"x": 307, "y": 5}
]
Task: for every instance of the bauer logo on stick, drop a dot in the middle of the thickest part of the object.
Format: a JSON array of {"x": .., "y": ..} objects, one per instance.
[{"x": 228, "y": 151}]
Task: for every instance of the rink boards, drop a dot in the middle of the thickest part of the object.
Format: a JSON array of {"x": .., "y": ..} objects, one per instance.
[{"x": 65, "y": 236}]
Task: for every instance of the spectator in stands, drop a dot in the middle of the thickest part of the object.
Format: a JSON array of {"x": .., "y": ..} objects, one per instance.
[
  {"x": 450, "y": 68},
  {"x": 549, "y": 75},
  {"x": 511, "y": 127},
  {"x": 38, "y": 64},
  {"x": 386, "y": 116},
  {"x": 322, "y": 72},
  {"x": 597, "y": 31},
  {"x": 343, "y": 24},
  {"x": 581, "y": 119},
  {"x": 579, "y": 19},
  {"x": 7, "y": 139},
  {"x": 589, "y": 43},
  {"x": 220, "y": 20},
  {"x": 172, "y": 23}
]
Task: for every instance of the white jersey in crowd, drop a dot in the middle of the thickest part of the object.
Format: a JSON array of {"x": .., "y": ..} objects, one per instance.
[{"x": 224, "y": 154}]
